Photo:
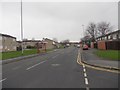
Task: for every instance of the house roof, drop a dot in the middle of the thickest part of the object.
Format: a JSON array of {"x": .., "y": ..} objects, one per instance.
[
  {"x": 50, "y": 40},
  {"x": 5, "y": 35},
  {"x": 118, "y": 31},
  {"x": 32, "y": 41}
]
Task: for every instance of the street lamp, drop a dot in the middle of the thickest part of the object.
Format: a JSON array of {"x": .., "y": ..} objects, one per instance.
[
  {"x": 83, "y": 33},
  {"x": 83, "y": 30},
  {"x": 21, "y": 28}
]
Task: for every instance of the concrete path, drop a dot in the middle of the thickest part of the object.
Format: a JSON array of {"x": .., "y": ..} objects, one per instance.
[{"x": 89, "y": 57}]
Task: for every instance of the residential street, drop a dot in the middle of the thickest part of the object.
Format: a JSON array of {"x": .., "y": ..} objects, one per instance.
[{"x": 56, "y": 69}]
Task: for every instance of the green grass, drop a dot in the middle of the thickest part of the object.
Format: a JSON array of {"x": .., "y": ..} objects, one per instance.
[
  {"x": 108, "y": 54},
  {"x": 13, "y": 54},
  {"x": 61, "y": 46}
]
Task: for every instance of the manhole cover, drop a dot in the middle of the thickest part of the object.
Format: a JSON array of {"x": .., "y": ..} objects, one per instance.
[{"x": 55, "y": 65}]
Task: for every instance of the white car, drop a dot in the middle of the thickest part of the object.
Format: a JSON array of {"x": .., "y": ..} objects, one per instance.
[
  {"x": 78, "y": 46},
  {"x": 67, "y": 45}
]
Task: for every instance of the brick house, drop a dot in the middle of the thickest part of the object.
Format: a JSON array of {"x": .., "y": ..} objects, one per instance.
[
  {"x": 50, "y": 44},
  {"x": 30, "y": 43},
  {"x": 109, "y": 41},
  {"x": 7, "y": 43}
]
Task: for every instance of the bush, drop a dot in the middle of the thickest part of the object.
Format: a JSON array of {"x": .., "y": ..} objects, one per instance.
[{"x": 30, "y": 47}]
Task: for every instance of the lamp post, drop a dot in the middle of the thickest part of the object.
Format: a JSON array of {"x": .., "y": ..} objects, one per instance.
[
  {"x": 21, "y": 28},
  {"x": 83, "y": 32}
]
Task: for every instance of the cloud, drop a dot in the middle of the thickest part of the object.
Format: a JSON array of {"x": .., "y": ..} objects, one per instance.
[{"x": 53, "y": 19}]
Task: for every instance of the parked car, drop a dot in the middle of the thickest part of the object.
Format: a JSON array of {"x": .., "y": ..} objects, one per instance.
[
  {"x": 85, "y": 47},
  {"x": 78, "y": 46},
  {"x": 67, "y": 45}
]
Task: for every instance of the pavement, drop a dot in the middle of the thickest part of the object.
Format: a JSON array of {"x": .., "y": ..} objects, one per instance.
[
  {"x": 88, "y": 57},
  {"x": 58, "y": 69}
]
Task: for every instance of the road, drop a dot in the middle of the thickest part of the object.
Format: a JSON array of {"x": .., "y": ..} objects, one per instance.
[{"x": 56, "y": 69}]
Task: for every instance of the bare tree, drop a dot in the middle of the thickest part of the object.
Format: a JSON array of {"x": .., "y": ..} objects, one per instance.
[
  {"x": 91, "y": 30},
  {"x": 104, "y": 28},
  {"x": 64, "y": 42}
]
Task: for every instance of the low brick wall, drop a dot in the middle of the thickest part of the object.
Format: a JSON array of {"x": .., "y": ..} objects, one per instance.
[{"x": 102, "y": 45}]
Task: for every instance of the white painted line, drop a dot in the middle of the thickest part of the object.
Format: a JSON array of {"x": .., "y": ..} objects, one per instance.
[
  {"x": 83, "y": 66},
  {"x": 35, "y": 65},
  {"x": 86, "y": 81},
  {"x": 85, "y": 75},
  {"x": 3, "y": 80},
  {"x": 84, "y": 70},
  {"x": 15, "y": 68},
  {"x": 54, "y": 56}
]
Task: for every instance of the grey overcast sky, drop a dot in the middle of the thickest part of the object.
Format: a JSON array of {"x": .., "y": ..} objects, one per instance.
[{"x": 61, "y": 20}]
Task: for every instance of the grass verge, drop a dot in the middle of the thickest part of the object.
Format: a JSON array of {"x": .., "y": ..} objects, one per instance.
[
  {"x": 14, "y": 54},
  {"x": 108, "y": 54}
]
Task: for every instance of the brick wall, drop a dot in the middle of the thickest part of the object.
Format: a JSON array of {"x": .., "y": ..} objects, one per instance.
[{"x": 101, "y": 45}]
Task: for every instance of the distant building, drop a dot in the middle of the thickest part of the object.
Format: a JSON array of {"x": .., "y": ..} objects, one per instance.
[
  {"x": 8, "y": 43},
  {"x": 110, "y": 36},
  {"x": 109, "y": 41},
  {"x": 51, "y": 44},
  {"x": 30, "y": 43},
  {"x": 42, "y": 44}
]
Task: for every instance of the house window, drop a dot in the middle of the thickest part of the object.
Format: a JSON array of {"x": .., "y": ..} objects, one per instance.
[
  {"x": 114, "y": 36},
  {"x": 109, "y": 37}
]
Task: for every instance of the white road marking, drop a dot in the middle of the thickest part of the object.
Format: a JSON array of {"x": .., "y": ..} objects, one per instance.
[
  {"x": 3, "y": 80},
  {"x": 83, "y": 66},
  {"x": 35, "y": 65},
  {"x": 55, "y": 65},
  {"x": 85, "y": 75},
  {"x": 54, "y": 56},
  {"x": 84, "y": 70},
  {"x": 16, "y": 68},
  {"x": 86, "y": 81}
]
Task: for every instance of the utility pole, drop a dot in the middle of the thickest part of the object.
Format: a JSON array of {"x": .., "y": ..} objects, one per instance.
[
  {"x": 21, "y": 28},
  {"x": 83, "y": 32}
]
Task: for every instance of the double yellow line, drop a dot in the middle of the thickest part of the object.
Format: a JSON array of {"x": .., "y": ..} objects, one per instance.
[{"x": 79, "y": 61}]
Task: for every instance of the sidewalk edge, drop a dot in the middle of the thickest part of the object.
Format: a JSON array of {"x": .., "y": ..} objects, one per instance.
[
  {"x": 2, "y": 62},
  {"x": 94, "y": 65}
]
